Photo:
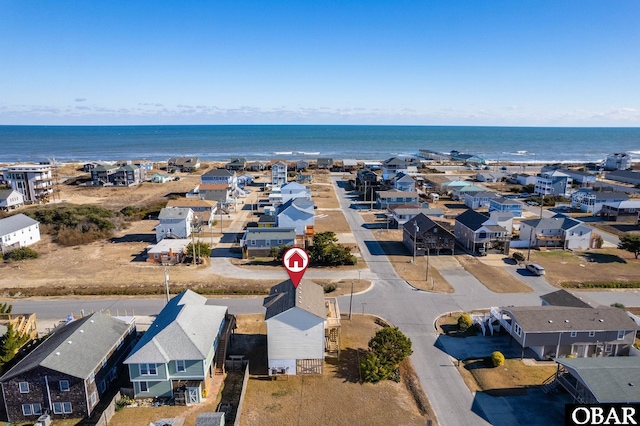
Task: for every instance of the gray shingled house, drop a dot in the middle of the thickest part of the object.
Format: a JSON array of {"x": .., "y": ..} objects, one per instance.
[
  {"x": 302, "y": 326},
  {"x": 67, "y": 374},
  {"x": 178, "y": 355},
  {"x": 556, "y": 331}
]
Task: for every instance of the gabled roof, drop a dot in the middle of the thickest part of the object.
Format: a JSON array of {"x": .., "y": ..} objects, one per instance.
[
  {"x": 284, "y": 296},
  {"x": 562, "y": 318},
  {"x": 186, "y": 328},
  {"x": 483, "y": 194},
  {"x": 174, "y": 213},
  {"x": 75, "y": 349},
  {"x": 603, "y": 195},
  {"x": 472, "y": 219},
  {"x": 270, "y": 234},
  {"x": 396, "y": 193},
  {"x": 628, "y": 204},
  {"x": 15, "y": 223},
  {"x": 610, "y": 379},
  {"x": 404, "y": 178},
  {"x": 191, "y": 202},
  {"x": 219, "y": 173},
  {"x": 300, "y": 204},
  {"x": 555, "y": 222},
  {"x": 566, "y": 298},
  {"x": 424, "y": 223},
  {"x": 6, "y": 193},
  {"x": 506, "y": 201},
  {"x": 293, "y": 186},
  {"x": 394, "y": 161}
]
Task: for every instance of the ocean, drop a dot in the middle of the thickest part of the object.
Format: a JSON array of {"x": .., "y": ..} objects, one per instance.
[{"x": 291, "y": 142}]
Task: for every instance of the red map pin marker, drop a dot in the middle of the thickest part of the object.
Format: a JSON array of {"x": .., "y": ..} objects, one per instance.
[{"x": 295, "y": 261}]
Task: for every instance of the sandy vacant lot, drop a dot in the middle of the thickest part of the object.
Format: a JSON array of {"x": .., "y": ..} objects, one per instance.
[{"x": 337, "y": 396}]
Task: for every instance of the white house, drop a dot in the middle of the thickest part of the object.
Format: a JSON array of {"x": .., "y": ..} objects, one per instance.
[
  {"x": 10, "y": 199},
  {"x": 18, "y": 231},
  {"x": 618, "y": 161},
  {"x": 34, "y": 181},
  {"x": 288, "y": 192},
  {"x": 296, "y": 213},
  {"x": 278, "y": 174},
  {"x": 558, "y": 231},
  {"x": 301, "y": 327},
  {"x": 590, "y": 201},
  {"x": 480, "y": 199},
  {"x": 220, "y": 176},
  {"x": 175, "y": 222}
]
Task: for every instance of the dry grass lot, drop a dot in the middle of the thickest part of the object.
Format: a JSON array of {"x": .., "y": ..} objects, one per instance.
[
  {"x": 324, "y": 196},
  {"x": 609, "y": 265},
  {"x": 330, "y": 220},
  {"x": 512, "y": 378},
  {"x": 494, "y": 278},
  {"x": 111, "y": 265},
  {"x": 415, "y": 273},
  {"x": 337, "y": 396}
]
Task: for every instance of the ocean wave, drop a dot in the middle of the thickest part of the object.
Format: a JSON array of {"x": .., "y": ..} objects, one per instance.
[
  {"x": 634, "y": 152},
  {"x": 308, "y": 153},
  {"x": 283, "y": 153}
]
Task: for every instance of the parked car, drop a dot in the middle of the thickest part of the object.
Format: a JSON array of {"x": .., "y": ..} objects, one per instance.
[{"x": 535, "y": 268}]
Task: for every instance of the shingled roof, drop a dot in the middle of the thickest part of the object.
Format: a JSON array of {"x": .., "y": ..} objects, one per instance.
[
  {"x": 75, "y": 349},
  {"x": 178, "y": 331},
  {"x": 284, "y": 296},
  {"x": 563, "y": 318}
]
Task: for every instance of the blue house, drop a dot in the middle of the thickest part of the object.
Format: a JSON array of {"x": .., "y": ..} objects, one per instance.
[
  {"x": 181, "y": 351},
  {"x": 502, "y": 204}
]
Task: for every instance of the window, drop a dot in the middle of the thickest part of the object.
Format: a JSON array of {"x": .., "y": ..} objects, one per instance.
[
  {"x": 574, "y": 333},
  {"x": 31, "y": 409},
  {"x": 148, "y": 370},
  {"x": 144, "y": 387},
  {"x": 608, "y": 348},
  {"x": 253, "y": 242},
  {"x": 64, "y": 385},
  {"x": 94, "y": 398},
  {"x": 180, "y": 366},
  {"x": 592, "y": 333},
  {"x": 61, "y": 408},
  {"x": 24, "y": 387},
  {"x": 620, "y": 334},
  {"x": 92, "y": 377},
  {"x": 267, "y": 243},
  {"x": 517, "y": 329}
]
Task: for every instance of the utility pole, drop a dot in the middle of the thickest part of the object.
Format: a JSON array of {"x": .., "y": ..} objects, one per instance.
[
  {"x": 415, "y": 241},
  {"x": 166, "y": 282},
  {"x": 351, "y": 298},
  {"x": 427, "y": 277}
]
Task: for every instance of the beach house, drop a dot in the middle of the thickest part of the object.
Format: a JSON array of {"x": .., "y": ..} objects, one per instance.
[
  {"x": 33, "y": 181},
  {"x": 175, "y": 222},
  {"x": 219, "y": 177},
  {"x": 278, "y": 173},
  {"x": 502, "y": 204},
  {"x": 67, "y": 375},
  {"x": 558, "y": 231},
  {"x": 552, "y": 183},
  {"x": 183, "y": 164},
  {"x": 18, "y": 231},
  {"x": 257, "y": 242},
  {"x": 478, "y": 232},
  {"x": 10, "y": 199},
  {"x": 622, "y": 211},
  {"x": 182, "y": 350},
  {"x": 296, "y": 213},
  {"x": 591, "y": 201},
  {"x": 479, "y": 199},
  {"x": 302, "y": 327},
  {"x": 617, "y": 161},
  {"x": 426, "y": 236}
]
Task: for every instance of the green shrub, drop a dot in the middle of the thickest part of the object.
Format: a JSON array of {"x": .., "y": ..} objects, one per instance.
[
  {"x": 387, "y": 349},
  {"x": 329, "y": 288},
  {"x": 518, "y": 256},
  {"x": 123, "y": 402},
  {"x": 22, "y": 254},
  {"x": 201, "y": 249},
  {"x": 497, "y": 359},
  {"x": 464, "y": 321},
  {"x": 618, "y": 305}
]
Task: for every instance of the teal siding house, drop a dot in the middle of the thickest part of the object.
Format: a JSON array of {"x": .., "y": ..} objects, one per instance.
[{"x": 181, "y": 351}]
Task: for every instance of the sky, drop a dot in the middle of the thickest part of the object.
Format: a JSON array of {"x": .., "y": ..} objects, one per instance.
[{"x": 487, "y": 63}]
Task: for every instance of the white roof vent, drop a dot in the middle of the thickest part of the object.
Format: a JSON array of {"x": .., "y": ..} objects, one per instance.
[
  {"x": 57, "y": 353},
  {"x": 550, "y": 321},
  {"x": 69, "y": 342}
]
